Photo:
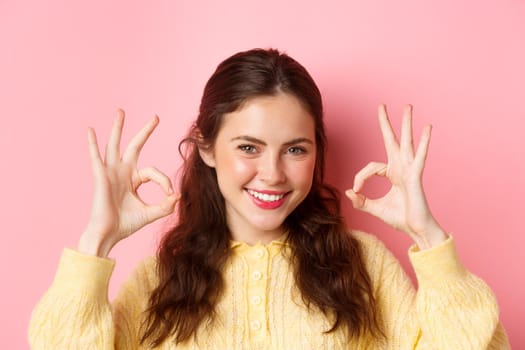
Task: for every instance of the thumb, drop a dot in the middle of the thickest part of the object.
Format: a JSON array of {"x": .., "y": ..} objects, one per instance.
[
  {"x": 361, "y": 202},
  {"x": 358, "y": 200},
  {"x": 166, "y": 207}
]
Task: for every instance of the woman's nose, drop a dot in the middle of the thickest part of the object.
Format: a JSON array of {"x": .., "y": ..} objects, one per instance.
[{"x": 271, "y": 170}]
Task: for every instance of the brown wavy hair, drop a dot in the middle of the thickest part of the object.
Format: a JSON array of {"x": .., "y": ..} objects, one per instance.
[{"x": 327, "y": 261}]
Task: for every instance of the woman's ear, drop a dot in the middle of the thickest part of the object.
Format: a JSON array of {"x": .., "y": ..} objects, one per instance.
[
  {"x": 205, "y": 151},
  {"x": 207, "y": 156}
]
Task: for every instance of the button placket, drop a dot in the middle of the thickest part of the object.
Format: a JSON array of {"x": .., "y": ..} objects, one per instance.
[{"x": 257, "y": 260}]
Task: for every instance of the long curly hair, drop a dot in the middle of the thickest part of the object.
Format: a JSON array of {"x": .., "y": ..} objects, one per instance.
[{"x": 327, "y": 261}]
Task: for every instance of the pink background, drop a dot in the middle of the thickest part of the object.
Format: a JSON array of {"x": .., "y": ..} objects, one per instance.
[{"x": 66, "y": 65}]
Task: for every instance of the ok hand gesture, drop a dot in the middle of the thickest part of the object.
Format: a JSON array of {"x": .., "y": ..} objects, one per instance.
[
  {"x": 404, "y": 207},
  {"x": 117, "y": 209}
]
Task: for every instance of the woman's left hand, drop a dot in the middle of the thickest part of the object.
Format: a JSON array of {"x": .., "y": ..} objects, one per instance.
[{"x": 404, "y": 207}]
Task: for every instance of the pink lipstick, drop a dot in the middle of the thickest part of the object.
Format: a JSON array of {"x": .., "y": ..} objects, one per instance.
[{"x": 266, "y": 199}]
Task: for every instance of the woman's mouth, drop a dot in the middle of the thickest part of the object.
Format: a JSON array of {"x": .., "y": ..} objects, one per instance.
[{"x": 267, "y": 199}]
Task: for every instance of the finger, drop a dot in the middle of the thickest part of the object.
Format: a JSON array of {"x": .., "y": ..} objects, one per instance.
[
  {"x": 94, "y": 153},
  {"x": 166, "y": 207},
  {"x": 407, "y": 143},
  {"x": 155, "y": 175},
  {"x": 113, "y": 146},
  {"x": 371, "y": 169},
  {"x": 363, "y": 203},
  {"x": 358, "y": 200},
  {"x": 137, "y": 142},
  {"x": 389, "y": 137},
  {"x": 422, "y": 148}
]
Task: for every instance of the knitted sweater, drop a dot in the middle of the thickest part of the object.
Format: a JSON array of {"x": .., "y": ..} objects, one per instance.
[{"x": 261, "y": 308}]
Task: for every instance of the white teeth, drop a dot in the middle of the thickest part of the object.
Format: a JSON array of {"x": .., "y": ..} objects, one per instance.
[{"x": 266, "y": 197}]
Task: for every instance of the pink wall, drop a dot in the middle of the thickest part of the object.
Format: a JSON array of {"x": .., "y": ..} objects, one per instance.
[{"x": 65, "y": 65}]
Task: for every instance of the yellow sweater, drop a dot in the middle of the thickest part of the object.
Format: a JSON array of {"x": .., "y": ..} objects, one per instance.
[{"x": 262, "y": 309}]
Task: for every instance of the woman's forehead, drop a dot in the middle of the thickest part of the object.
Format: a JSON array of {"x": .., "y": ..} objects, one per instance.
[{"x": 278, "y": 116}]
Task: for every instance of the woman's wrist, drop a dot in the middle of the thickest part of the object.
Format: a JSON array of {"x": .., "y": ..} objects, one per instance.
[
  {"x": 433, "y": 235},
  {"x": 91, "y": 243}
]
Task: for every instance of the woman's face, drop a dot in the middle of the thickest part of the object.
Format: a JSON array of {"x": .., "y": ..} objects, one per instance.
[{"x": 264, "y": 156}]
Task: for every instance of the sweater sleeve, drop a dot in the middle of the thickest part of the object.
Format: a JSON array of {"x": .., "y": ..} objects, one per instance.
[
  {"x": 452, "y": 308},
  {"x": 75, "y": 312}
]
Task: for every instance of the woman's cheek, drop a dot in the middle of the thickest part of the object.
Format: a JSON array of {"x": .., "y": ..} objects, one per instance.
[
  {"x": 242, "y": 167},
  {"x": 304, "y": 172}
]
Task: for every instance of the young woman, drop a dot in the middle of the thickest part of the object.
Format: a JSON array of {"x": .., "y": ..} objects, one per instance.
[{"x": 260, "y": 257}]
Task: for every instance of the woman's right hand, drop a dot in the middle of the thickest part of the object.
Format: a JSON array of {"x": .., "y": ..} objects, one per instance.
[{"x": 117, "y": 210}]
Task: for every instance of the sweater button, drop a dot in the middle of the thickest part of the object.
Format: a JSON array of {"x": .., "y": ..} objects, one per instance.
[
  {"x": 259, "y": 253},
  {"x": 255, "y": 325},
  {"x": 257, "y": 275},
  {"x": 256, "y": 300}
]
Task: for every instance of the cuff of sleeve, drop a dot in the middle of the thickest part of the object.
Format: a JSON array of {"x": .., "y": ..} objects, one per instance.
[
  {"x": 437, "y": 264},
  {"x": 87, "y": 273}
]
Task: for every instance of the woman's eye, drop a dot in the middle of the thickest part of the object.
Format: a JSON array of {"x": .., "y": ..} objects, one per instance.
[
  {"x": 247, "y": 148},
  {"x": 296, "y": 150}
]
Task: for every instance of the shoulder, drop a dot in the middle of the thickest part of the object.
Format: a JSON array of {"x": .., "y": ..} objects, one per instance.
[
  {"x": 368, "y": 243},
  {"x": 147, "y": 265},
  {"x": 376, "y": 257},
  {"x": 144, "y": 275}
]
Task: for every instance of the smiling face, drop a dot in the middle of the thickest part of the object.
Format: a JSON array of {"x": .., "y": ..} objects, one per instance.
[{"x": 264, "y": 156}]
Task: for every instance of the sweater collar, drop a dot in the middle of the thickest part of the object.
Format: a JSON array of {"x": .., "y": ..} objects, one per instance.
[{"x": 277, "y": 243}]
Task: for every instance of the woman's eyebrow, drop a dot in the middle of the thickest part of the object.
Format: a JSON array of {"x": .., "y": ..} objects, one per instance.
[
  {"x": 260, "y": 142},
  {"x": 249, "y": 139},
  {"x": 299, "y": 140}
]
